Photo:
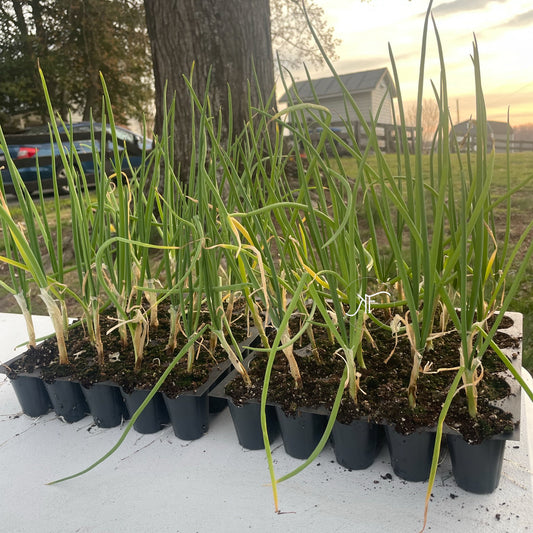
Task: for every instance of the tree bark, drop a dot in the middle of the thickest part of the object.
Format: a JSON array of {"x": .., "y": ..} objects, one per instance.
[{"x": 229, "y": 37}]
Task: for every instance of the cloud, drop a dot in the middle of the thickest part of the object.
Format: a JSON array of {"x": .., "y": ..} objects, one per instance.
[
  {"x": 460, "y": 6},
  {"x": 498, "y": 102},
  {"x": 522, "y": 20},
  {"x": 362, "y": 63}
]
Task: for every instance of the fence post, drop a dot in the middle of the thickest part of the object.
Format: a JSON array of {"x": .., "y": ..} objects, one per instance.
[
  {"x": 357, "y": 132},
  {"x": 389, "y": 142}
]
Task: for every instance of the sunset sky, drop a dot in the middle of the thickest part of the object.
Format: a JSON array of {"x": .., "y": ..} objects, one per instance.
[{"x": 504, "y": 32}]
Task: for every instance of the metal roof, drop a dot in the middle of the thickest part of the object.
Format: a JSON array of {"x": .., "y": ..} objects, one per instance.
[
  {"x": 493, "y": 126},
  {"x": 355, "y": 82}
]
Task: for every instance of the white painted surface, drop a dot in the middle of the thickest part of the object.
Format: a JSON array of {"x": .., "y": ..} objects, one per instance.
[{"x": 159, "y": 483}]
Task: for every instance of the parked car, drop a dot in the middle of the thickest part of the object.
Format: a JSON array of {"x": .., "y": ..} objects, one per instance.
[{"x": 33, "y": 147}]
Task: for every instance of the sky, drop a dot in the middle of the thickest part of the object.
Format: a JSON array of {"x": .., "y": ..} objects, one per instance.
[{"x": 504, "y": 33}]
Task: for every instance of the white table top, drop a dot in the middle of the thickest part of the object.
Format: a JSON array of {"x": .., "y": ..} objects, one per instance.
[{"x": 160, "y": 483}]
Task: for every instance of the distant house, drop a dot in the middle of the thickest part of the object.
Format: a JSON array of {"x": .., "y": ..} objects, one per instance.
[
  {"x": 368, "y": 88},
  {"x": 497, "y": 132}
]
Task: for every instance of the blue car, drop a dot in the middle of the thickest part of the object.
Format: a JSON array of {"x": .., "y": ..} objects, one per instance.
[{"x": 33, "y": 147}]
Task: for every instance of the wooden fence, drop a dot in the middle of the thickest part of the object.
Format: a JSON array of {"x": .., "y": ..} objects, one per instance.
[
  {"x": 386, "y": 136},
  {"x": 498, "y": 144},
  {"x": 514, "y": 146}
]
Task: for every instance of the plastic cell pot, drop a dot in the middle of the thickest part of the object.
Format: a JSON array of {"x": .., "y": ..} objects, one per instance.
[
  {"x": 189, "y": 411},
  {"x": 32, "y": 396},
  {"x": 153, "y": 417},
  {"x": 411, "y": 454},
  {"x": 67, "y": 400},
  {"x": 189, "y": 415},
  {"x": 357, "y": 444},
  {"x": 301, "y": 433},
  {"x": 476, "y": 467},
  {"x": 106, "y": 404},
  {"x": 247, "y": 422}
]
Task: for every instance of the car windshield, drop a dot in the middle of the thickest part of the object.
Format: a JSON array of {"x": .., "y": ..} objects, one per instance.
[
  {"x": 37, "y": 129},
  {"x": 123, "y": 135},
  {"x": 83, "y": 127}
]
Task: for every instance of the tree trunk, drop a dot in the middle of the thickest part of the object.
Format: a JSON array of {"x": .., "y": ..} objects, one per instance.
[
  {"x": 230, "y": 37},
  {"x": 92, "y": 101},
  {"x": 89, "y": 37}
]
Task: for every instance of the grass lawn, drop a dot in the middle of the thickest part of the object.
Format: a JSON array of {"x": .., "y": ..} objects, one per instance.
[{"x": 521, "y": 168}]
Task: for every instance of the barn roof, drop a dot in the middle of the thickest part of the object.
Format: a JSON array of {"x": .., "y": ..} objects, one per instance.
[
  {"x": 355, "y": 82},
  {"x": 493, "y": 126}
]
